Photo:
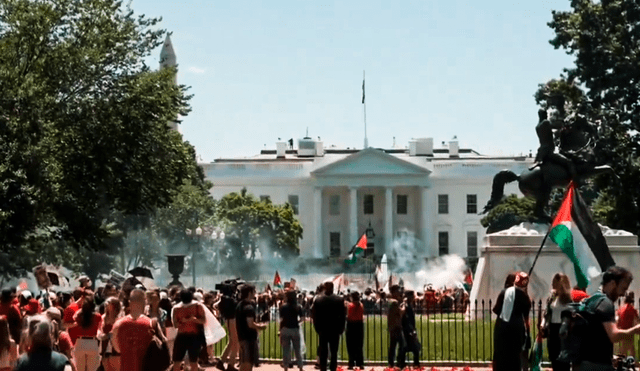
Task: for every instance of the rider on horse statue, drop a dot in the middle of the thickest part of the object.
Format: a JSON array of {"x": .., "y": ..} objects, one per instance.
[{"x": 547, "y": 149}]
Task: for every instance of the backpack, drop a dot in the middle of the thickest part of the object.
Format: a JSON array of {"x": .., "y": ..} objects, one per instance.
[
  {"x": 577, "y": 324},
  {"x": 156, "y": 357}
]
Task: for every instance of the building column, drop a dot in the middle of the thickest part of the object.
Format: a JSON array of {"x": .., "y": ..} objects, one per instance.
[
  {"x": 388, "y": 218},
  {"x": 425, "y": 221},
  {"x": 318, "y": 250},
  {"x": 353, "y": 215}
]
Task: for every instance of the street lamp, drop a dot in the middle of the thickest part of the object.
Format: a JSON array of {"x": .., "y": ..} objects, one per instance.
[
  {"x": 198, "y": 233},
  {"x": 218, "y": 238}
]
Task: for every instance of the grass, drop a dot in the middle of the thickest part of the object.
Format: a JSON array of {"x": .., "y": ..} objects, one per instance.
[{"x": 444, "y": 337}]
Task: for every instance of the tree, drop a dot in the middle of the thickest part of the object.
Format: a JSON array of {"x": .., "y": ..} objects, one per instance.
[
  {"x": 83, "y": 127},
  {"x": 511, "y": 211},
  {"x": 250, "y": 222},
  {"x": 603, "y": 85}
]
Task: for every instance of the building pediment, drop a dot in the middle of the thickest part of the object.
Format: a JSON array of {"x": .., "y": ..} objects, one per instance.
[{"x": 369, "y": 162}]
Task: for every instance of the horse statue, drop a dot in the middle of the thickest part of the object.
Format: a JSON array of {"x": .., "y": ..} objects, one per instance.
[{"x": 574, "y": 139}]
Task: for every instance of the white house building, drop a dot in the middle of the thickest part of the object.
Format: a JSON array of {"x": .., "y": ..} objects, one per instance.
[{"x": 435, "y": 193}]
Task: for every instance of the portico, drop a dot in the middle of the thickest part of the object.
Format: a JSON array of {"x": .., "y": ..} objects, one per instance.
[{"x": 385, "y": 192}]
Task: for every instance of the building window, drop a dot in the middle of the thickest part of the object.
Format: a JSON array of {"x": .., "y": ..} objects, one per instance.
[
  {"x": 443, "y": 243},
  {"x": 334, "y": 205},
  {"x": 368, "y": 204},
  {"x": 472, "y": 204},
  {"x": 443, "y": 204},
  {"x": 264, "y": 198},
  {"x": 401, "y": 204},
  {"x": 472, "y": 244},
  {"x": 293, "y": 201},
  {"x": 334, "y": 243}
]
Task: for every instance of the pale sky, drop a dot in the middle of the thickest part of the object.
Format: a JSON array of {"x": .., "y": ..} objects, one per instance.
[{"x": 263, "y": 70}]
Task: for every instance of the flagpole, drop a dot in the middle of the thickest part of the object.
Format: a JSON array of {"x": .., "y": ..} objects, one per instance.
[
  {"x": 540, "y": 250},
  {"x": 366, "y": 141}
]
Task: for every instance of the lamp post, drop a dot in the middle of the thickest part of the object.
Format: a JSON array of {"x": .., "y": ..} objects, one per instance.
[
  {"x": 218, "y": 239},
  {"x": 198, "y": 233}
]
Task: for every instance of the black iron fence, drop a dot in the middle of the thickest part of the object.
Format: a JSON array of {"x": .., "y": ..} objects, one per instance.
[{"x": 458, "y": 333}]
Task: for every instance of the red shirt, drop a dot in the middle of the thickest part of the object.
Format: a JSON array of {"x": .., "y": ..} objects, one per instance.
[
  {"x": 64, "y": 342},
  {"x": 133, "y": 337},
  {"x": 355, "y": 312},
  {"x": 626, "y": 315},
  {"x": 69, "y": 312},
  {"x": 14, "y": 317},
  {"x": 79, "y": 331},
  {"x": 180, "y": 313},
  {"x": 578, "y": 295}
]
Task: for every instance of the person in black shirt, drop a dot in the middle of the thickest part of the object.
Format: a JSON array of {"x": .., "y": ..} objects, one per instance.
[
  {"x": 598, "y": 351},
  {"x": 247, "y": 328},
  {"x": 329, "y": 315},
  {"x": 227, "y": 307},
  {"x": 290, "y": 315},
  {"x": 409, "y": 329}
]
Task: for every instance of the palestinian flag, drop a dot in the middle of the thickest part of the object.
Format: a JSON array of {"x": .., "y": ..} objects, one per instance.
[
  {"x": 357, "y": 249},
  {"x": 580, "y": 238},
  {"x": 277, "y": 282}
]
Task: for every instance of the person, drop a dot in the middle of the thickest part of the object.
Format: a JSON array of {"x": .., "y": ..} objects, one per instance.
[
  {"x": 509, "y": 339},
  {"x": 547, "y": 149},
  {"x": 227, "y": 308},
  {"x": 394, "y": 323},
  {"x": 409, "y": 329},
  {"x": 558, "y": 301},
  {"x": 86, "y": 348},
  {"x": 603, "y": 330},
  {"x": 329, "y": 314},
  {"x": 627, "y": 318},
  {"x": 131, "y": 334},
  {"x": 188, "y": 317},
  {"x": 8, "y": 347},
  {"x": 355, "y": 331},
  {"x": 247, "y": 327},
  {"x": 41, "y": 356},
  {"x": 110, "y": 358},
  {"x": 61, "y": 340},
  {"x": 11, "y": 311},
  {"x": 290, "y": 316}
]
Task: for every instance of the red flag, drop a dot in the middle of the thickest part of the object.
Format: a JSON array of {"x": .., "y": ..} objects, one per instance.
[
  {"x": 362, "y": 242},
  {"x": 277, "y": 282}
]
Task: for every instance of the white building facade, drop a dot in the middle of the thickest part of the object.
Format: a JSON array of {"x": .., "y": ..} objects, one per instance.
[{"x": 433, "y": 193}]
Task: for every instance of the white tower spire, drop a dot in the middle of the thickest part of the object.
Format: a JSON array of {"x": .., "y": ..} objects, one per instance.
[{"x": 168, "y": 59}]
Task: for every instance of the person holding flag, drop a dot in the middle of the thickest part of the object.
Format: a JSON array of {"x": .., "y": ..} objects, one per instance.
[{"x": 277, "y": 281}]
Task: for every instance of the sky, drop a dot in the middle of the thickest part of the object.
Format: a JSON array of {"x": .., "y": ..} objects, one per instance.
[{"x": 263, "y": 70}]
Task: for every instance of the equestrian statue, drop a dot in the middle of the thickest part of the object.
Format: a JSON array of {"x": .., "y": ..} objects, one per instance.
[{"x": 566, "y": 154}]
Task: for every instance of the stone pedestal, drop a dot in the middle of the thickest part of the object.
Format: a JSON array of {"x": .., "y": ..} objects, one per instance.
[{"x": 515, "y": 249}]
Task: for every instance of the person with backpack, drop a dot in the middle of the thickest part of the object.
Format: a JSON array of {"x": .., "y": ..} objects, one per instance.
[{"x": 596, "y": 348}]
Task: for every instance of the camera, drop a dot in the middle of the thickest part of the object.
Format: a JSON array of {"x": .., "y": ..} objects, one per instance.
[{"x": 229, "y": 287}]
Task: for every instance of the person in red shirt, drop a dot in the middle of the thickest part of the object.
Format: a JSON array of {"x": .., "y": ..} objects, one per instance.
[
  {"x": 87, "y": 350},
  {"x": 355, "y": 331},
  {"x": 110, "y": 358},
  {"x": 188, "y": 317},
  {"x": 132, "y": 333},
  {"x": 7, "y": 308},
  {"x": 627, "y": 318}
]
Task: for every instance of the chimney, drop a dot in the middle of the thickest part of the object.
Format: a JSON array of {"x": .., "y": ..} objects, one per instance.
[
  {"x": 319, "y": 148},
  {"x": 453, "y": 148},
  {"x": 281, "y": 149},
  {"x": 421, "y": 147}
]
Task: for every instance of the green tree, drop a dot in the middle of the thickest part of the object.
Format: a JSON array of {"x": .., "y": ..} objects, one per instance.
[
  {"x": 513, "y": 210},
  {"x": 83, "y": 127},
  {"x": 603, "y": 85},
  {"x": 250, "y": 222}
]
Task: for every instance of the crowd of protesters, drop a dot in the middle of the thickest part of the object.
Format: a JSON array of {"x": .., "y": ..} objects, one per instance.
[{"x": 110, "y": 328}]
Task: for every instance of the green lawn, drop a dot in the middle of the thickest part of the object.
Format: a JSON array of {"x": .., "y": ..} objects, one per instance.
[{"x": 446, "y": 337}]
